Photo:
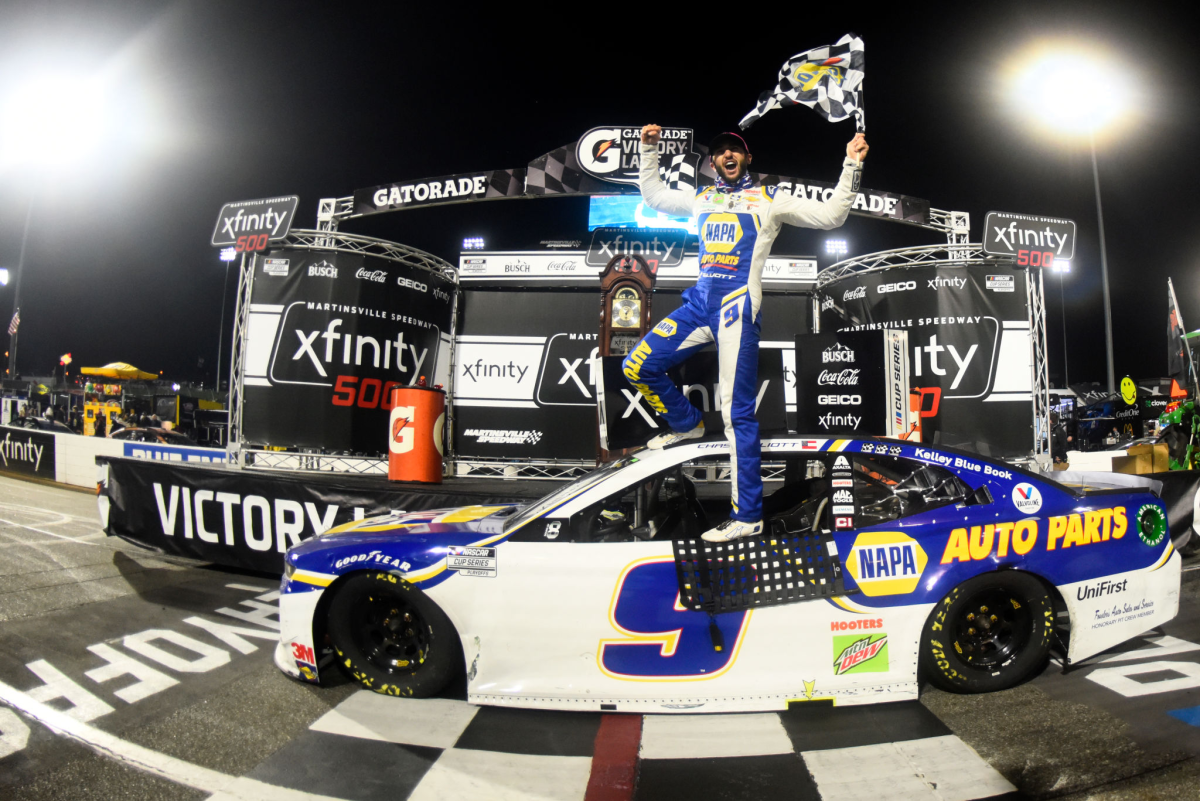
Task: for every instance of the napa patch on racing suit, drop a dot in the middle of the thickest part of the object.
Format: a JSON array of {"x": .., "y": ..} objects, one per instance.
[{"x": 737, "y": 225}]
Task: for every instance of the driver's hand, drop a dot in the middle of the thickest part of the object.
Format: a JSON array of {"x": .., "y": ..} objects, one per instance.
[
  {"x": 856, "y": 149},
  {"x": 651, "y": 134}
]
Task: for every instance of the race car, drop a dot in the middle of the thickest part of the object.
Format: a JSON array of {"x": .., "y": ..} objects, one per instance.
[{"x": 881, "y": 561}]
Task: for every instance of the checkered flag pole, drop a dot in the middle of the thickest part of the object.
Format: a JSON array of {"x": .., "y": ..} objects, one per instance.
[
  {"x": 16, "y": 321},
  {"x": 826, "y": 79}
]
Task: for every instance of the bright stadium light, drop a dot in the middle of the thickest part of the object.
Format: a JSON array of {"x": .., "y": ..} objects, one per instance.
[
  {"x": 3, "y": 276},
  {"x": 473, "y": 243},
  {"x": 1061, "y": 266},
  {"x": 836, "y": 247},
  {"x": 227, "y": 254},
  {"x": 54, "y": 120}
]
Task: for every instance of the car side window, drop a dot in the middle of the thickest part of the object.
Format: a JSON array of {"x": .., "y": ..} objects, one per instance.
[{"x": 888, "y": 488}]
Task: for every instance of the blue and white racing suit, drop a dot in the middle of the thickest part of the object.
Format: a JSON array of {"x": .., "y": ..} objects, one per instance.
[{"x": 737, "y": 225}]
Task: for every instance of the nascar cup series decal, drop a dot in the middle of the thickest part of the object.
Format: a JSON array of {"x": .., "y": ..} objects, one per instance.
[
  {"x": 468, "y": 561},
  {"x": 1026, "y": 498},
  {"x": 886, "y": 563}
]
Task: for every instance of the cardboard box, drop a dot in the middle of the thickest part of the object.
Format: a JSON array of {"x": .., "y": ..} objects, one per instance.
[{"x": 1143, "y": 460}]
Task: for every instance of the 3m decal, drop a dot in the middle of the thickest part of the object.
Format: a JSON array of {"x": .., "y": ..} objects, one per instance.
[
  {"x": 979, "y": 542},
  {"x": 1151, "y": 524},
  {"x": 886, "y": 563},
  {"x": 1026, "y": 498},
  {"x": 860, "y": 654},
  {"x": 663, "y": 640}
]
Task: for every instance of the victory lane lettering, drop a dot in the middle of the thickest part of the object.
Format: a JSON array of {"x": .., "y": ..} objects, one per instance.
[{"x": 266, "y": 523}]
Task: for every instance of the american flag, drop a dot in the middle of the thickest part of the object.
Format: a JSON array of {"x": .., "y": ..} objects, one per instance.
[
  {"x": 16, "y": 321},
  {"x": 826, "y": 79}
]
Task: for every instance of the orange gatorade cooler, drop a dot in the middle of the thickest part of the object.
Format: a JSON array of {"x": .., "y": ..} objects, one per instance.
[{"x": 415, "y": 434}]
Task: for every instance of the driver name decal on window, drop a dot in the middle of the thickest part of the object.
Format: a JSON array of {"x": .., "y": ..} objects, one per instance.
[
  {"x": 886, "y": 563},
  {"x": 664, "y": 641}
]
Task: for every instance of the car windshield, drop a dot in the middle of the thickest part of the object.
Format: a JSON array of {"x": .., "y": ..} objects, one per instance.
[{"x": 561, "y": 494}]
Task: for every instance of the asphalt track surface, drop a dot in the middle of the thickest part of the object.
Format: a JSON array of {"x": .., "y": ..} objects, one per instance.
[{"x": 128, "y": 675}]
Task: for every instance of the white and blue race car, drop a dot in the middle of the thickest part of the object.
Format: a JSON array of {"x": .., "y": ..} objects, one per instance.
[{"x": 881, "y": 561}]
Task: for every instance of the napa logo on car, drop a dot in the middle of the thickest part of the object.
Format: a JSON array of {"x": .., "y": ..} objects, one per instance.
[
  {"x": 1026, "y": 498},
  {"x": 886, "y": 563},
  {"x": 854, "y": 653}
]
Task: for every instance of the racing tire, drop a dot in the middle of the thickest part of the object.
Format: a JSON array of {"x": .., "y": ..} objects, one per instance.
[
  {"x": 990, "y": 633},
  {"x": 391, "y": 638}
]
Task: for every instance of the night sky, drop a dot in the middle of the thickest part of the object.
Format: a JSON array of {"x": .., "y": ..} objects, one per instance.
[{"x": 245, "y": 100}]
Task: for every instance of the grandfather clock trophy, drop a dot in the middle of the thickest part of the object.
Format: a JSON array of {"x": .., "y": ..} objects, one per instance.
[{"x": 626, "y": 288}]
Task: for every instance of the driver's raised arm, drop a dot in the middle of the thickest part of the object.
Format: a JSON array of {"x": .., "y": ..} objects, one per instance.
[
  {"x": 655, "y": 193},
  {"x": 832, "y": 213}
]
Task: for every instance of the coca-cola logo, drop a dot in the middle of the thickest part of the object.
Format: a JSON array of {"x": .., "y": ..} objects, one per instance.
[
  {"x": 855, "y": 294},
  {"x": 378, "y": 276},
  {"x": 843, "y": 378}
]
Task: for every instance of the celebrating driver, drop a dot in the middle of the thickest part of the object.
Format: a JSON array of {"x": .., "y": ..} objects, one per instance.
[{"x": 738, "y": 222}]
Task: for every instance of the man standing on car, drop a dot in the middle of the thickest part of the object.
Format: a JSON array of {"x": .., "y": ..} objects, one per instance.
[{"x": 738, "y": 222}]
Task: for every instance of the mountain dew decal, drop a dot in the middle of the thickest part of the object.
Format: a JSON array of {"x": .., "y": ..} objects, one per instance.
[{"x": 855, "y": 654}]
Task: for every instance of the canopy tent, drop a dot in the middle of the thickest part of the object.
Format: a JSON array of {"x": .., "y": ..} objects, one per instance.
[{"x": 118, "y": 370}]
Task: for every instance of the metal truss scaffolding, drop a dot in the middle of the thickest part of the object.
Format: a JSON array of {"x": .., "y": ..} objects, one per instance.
[
  {"x": 325, "y": 240},
  {"x": 966, "y": 254}
]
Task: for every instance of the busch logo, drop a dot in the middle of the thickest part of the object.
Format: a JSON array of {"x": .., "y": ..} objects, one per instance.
[
  {"x": 827, "y": 303},
  {"x": 845, "y": 378},
  {"x": 855, "y": 294},
  {"x": 322, "y": 269},
  {"x": 837, "y": 353},
  {"x": 378, "y": 276}
]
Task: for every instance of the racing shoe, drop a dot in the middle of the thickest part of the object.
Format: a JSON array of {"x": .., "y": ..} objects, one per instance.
[
  {"x": 733, "y": 530},
  {"x": 671, "y": 437}
]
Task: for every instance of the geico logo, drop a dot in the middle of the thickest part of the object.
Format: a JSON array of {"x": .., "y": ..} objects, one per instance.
[
  {"x": 886, "y": 563},
  {"x": 263, "y": 523},
  {"x": 411, "y": 284},
  {"x": 899, "y": 286},
  {"x": 839, "y": 400},
  {"x": 856, "y": 625},
  {"x": 354, "y": 346},
  {"x": 434, "y": 190}
]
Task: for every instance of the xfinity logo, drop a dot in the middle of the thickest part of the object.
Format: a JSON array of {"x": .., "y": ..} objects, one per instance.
[
  {"x": 837, "y": 353},
  {"x": 411, "y": 284},
  {"x": 899, "y": 286},
  {"x": 27, "y": 451},
  {"x": 937, "y": 361},
  {"x": 322, "y": 269},
  {"x": 952, "y": 283},
  {"x": 353, "y": 349},
  {"x": 831, "y": 420},
  {"x": 855, "y": 294},
  {"x": 482, "y": 369},
  {"x": 441, "y": 294},
  {"x": 378, "y": 276},
  {"x": 663, "y": 249},
  {"x": 839, "y": 400},
  {"x": 845, "y": 378}
]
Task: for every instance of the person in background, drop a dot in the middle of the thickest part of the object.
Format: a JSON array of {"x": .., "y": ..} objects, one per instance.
[{"x": 101, "y": 425}]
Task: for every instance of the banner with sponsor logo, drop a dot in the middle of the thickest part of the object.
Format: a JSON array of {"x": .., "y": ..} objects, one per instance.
[
  {"x": 968, "y": 341},
  {"x": 329, "y": 335},
  {"x": 852, "y": 382},
  {"x": 248, "y": 519},
  {"x": 27, "y": 452},
  {"x": 605, "y": 160},
  {"x": 525, "y": 384}
]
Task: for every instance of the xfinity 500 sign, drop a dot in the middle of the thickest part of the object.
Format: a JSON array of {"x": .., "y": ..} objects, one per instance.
[
  {"x": 1033, "y": 241},
  {"x": 329, "y": 336}
]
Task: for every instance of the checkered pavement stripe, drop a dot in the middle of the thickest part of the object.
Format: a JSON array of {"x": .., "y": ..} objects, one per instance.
[{"x": 375, "y": 747}]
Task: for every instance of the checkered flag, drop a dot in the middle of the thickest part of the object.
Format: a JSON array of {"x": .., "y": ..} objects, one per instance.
[
  {"x": 681, "y": 172},
  {"x": 16, "y": 321},
  {"x": 826, "y": 79}
]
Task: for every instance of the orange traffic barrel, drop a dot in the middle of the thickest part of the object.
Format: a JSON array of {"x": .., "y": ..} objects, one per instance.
[{"x": 415, "y": 434}]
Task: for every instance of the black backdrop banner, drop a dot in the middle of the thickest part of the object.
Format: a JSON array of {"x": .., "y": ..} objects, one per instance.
[
  {"x": 27, "y": 452},
  {"x": 840, "y": 383},
  {"x": 329, "y": 335},
  {"x": 968, "y": 337},
  {"x": 248, "y": 519},
  {"x": 524, "y": 382}
]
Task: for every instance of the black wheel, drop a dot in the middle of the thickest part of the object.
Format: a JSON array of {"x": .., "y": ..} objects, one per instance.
[
  {"x": 390, "y": 638},
  {"x": 988, "y": 634}
]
